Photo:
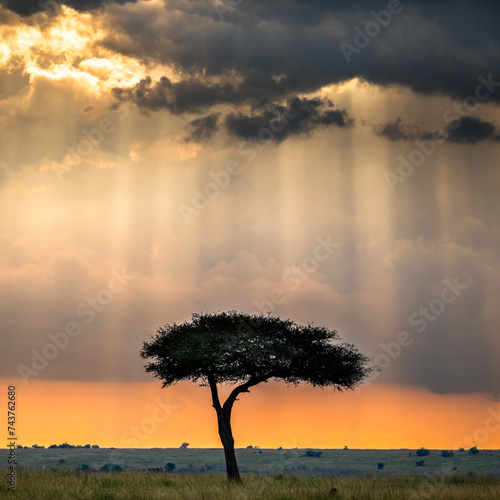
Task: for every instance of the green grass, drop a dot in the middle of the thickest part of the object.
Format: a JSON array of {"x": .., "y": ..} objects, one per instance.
[
  {"x": 66, "y": 485},
  {"x": 267, "y": 474},
  {"x": 265, "y": 461}
]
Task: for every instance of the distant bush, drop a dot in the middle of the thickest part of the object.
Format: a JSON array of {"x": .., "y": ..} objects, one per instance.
[
  {"x": 380, "y": 465},
  {"x": 63, "y": 446},
  {"x": 313, "y": 454},
  {"x": 111, "y": 468},
  {"x": 83, "y": 467},
  {"x": 461, "y": 449},
  {"x": 447, "y": 454},
  {"x": 169, "y": 467},
  {"x": 87, "y": 446},
  {"x": 420, "y": 463},
  {"x": 422, "y": 452},
  {"x": 473, "y": 451},
  {"x": 95, "y": 446},
  {"x": 155, "y": 469},
  {"x": 184, "y": 445},
  {"x": 249, "y": 447}
]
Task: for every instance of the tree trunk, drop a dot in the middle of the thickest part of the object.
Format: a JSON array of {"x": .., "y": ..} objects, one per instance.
[{"x": 226, "y": 437}]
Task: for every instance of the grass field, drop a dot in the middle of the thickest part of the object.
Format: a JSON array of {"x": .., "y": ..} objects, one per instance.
[
  {"x": 66, "y": 485},
  {"x": 267, "y": 474},
  {"x": 265, "y": 461}
]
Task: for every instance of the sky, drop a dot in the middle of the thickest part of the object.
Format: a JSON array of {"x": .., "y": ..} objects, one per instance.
[{"x": 327, "y": 162}]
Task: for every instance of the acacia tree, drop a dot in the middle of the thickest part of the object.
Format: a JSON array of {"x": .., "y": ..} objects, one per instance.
[{"x": 244, "y": 350}]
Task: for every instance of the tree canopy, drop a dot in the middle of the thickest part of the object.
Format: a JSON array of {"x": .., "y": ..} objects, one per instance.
[{"x": 235, "y": 347}]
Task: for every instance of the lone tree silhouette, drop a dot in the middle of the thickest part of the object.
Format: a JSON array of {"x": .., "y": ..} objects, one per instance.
[{"x": 243, "y": 349}]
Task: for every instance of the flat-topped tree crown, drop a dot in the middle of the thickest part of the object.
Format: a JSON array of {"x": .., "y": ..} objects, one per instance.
[
  {"x": 235, "y": 347},
  {"x": 232, "y": 347}
]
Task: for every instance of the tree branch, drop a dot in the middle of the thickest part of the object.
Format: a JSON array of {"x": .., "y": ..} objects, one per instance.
[
  {"x": 215, "y": 395},
  {"x": 228, "y": 404}
]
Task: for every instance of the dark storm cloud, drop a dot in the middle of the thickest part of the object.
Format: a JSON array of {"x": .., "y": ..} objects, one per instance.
[
  {"x": 398, "y": 131},
  {"x": 301, "y": 116},
  {"x": 466, "y": 130},
  {"x": 193, "y": 95},
  {"x": 28, "y": 7},
  {"x": 203, "y": 129},
  {"x": 292, "y": 47},
  {"x": 471, "y": 130},
  {"x": 298, "y": 117}
]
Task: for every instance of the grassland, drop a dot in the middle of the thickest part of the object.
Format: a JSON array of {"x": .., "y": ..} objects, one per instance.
[
  {"x": 267, "y": 474},
  {"x": 265, "y": 461},
  {"x": 67, "y": 485}
]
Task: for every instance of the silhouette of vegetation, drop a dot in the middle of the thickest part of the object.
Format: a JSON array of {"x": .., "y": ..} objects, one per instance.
[
  {"x": 420, "y": 463},
  {"x": 246, "y": 350},
  {"x": 313, "y": 454},
  {"x": 67, "y": 445},
  {"x": 422, "y": 452},
  {"x": 111, "y": 468},
  {"x": 169, "y": 467},
  {"x": 473, "y": 451},
  {"x": 447, "y": 454},
  {"x": 380, "y": 465}
]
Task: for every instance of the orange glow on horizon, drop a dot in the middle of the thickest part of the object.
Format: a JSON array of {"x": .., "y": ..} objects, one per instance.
[{"x": 143, "y": 415}]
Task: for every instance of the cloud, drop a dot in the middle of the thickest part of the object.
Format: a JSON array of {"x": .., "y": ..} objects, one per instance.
[
  {"x": 192, "y": 95},
  {"x": 28, "y": 7},
  {"x": 13, "y": 79},
  {"x": 398, "y": 131},
  {"x": 290, "y": 48},
  {"x": 203, "y": 129},
  {"x": 466, "y": 130},
  {"x": 452, "y": 341},
  {"x": 299, "y": 116},
  {"x": 470, "y": 130}
]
